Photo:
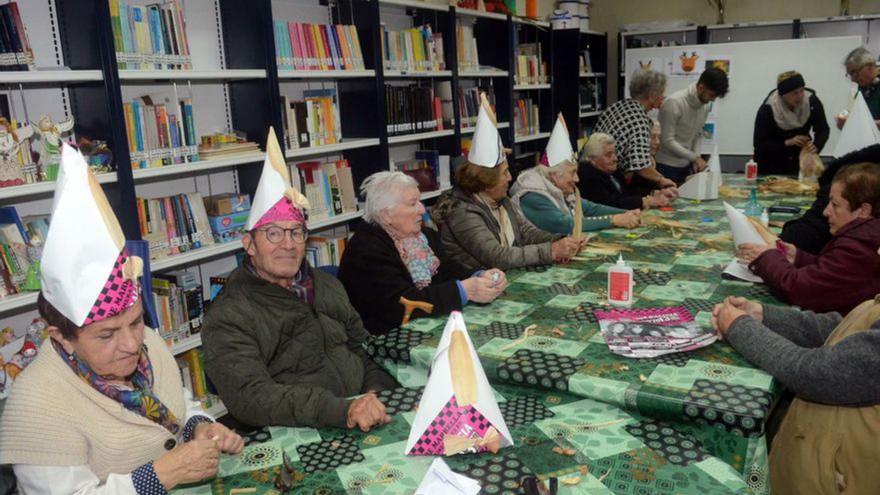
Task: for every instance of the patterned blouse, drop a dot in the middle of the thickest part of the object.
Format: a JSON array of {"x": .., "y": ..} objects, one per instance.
[{"x": 628, "y": 123}]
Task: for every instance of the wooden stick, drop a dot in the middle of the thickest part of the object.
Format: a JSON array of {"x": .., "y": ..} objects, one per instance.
[
  {"x": 577, "y": 229},
  {"x": 410, "y": 306},
  {"x": 464, "y": 378}
]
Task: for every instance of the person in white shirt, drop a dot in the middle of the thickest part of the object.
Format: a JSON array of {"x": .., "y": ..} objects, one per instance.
[{"x": 682, "y": 117}]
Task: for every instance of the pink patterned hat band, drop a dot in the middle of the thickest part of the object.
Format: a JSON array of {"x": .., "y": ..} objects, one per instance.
[
  {"x": 282, "y": 211},
  {"x": 117, "y": 295}
]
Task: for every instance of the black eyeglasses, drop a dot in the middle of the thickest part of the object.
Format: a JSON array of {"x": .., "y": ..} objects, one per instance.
[{"x": 276, "y": 235}]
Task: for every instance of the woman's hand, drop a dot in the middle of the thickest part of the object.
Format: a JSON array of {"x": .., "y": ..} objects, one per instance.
[
  {"x": 748, "y": 252},
  {"x": 228, "y": 440},
  {"x": 798, "y": 141},
  {"x": 629, "y": 220},
  {"x": 498, "y": 277},
  {"x": 789, "y": 250},
  {"x": 482, "y": 289},
  {"x": 658, "y": 199},
  {"x": 564, "y": 249},
  {"x": 725, "y": 313},
  {"x": 187, "y": 463}
]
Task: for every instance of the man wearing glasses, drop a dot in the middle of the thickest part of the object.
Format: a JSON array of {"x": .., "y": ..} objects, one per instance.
[
  {"x": 861, "y": 68},
  {"x": 282, "y": 343}
]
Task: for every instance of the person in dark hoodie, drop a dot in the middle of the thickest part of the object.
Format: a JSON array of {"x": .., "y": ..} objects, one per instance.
[{"x": 846, "y": 271}]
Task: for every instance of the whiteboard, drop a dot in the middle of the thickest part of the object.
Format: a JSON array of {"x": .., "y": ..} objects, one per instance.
[{"x": 754, "y": 66}]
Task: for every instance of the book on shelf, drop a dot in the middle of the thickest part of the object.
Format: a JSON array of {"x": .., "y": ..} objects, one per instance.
[
  {"x": 586, "y": 63},
  {"x": 18, "y": 250},
  {"x": 412, "y": 109},
  {"x": 531, "y": 68},
  {"x": 192, "y": 372},
  {"x": 326, "y": 249},
  {"x": 217, "y": 282},
  {"x": 161, "y": 130},
  {"x": 15, "y": 49},
  {"x": 469, "y": 103},
  {"x": 468, "y": 58},
  {"x": 312, "y": 121},
  {"x": 413, "y": 50},
  {"x": 174, "y": 224},
  {"x": 304, "y": 46},
  {"x": 329, "y": 187},
  {"x": 526, "y": 116},
  {"x": 151, "y": 36},
  {"x": 424, "y": 167},
  {"x": 225, "y": 144},
  {"x": 179, "y": 304}
]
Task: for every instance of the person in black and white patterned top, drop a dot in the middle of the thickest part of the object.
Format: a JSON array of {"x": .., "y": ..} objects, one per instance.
[{"x": 627, "y": 121}]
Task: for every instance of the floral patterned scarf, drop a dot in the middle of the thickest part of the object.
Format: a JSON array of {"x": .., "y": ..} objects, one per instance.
[
  {"x": 141, "y": 400},
  {"x": 418, "y": 257}
]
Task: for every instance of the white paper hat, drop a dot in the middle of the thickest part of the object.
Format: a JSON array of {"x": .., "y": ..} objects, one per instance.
[
  {"x": 486, "y": 147},
  {"x": 859, "y": 131},
  {"x": 705, "y": 184},
  {"x": 86, "y": 273},
  {"x": 559, "y": 148},
  {"x": 440, "y": 414},
  {"x": 276, "y": 198}
]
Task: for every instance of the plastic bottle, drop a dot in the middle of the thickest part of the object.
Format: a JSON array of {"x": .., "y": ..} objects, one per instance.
[
  {"x": 765, "y": 218},
  {"x": 620, "y": 283},
  {"x": 753, "y": 208},
  {"x": 751, "y": 171}
]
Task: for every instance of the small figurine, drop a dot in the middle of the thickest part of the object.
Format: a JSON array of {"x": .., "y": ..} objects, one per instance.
[
  {"x": 97, "y": 154},
  {"x": 6, "y": 336},
  {"x": 49, "y": 134},
  {"x": 12, "y": 173},
  {"x": 34, "y": 253}
]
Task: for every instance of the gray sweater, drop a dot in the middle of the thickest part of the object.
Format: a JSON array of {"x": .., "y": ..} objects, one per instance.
[
  {"x": 681, "y": 121},
  {"x": 790, "y": 346}
]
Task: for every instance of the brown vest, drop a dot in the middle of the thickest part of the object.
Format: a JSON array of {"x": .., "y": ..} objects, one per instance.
[{"x": 823, "y": 449}]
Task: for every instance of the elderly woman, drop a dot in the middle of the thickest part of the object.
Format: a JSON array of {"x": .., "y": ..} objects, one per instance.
[
  {"x": 846, "y": 271},
  {"x": 546, "y": 194},
  {"x": 827, "y": 442},
  {"x": 783, "y": 125},
  {"x": 627, "y": 121},
  {"x": 602, "y": 182},
  {"x": 392, "y": 255},
  {"x": 101, "y": 410}
]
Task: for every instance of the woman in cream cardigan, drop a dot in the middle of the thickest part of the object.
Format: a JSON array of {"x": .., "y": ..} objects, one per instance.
[{"x": 102, "y": 409}]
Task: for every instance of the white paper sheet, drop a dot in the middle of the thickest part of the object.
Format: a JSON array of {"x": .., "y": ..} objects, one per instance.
[
  {"x": 440, "y": 480},
  {"x": 742, "y": 272},
  {"x": 859, "y": 130}
]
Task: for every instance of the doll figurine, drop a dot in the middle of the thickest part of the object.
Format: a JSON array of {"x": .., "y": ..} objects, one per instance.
[
  {"x": 49, "y": 134},
  {"x": 11, "y": 171}
]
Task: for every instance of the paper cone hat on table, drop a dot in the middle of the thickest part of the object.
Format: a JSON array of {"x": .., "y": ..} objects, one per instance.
[
  {"x": 87, "y": 274},
  {"x": 705, "y": 184},
  {"x": 486, "y": 147},
  {"x": 559, "y": 149},
  {"x": 457, "y": 412},
  {"x": 745, "y": 230},
  {"x": 276, "y": 200},
  {"x": 859, "y": 131}
]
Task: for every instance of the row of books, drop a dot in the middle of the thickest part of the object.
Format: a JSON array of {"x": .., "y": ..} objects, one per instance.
[
  {"x": 412, "y": 109},
  {"x": 329, "y": 187},
  {"x": 326, "y": 250},
  {"x": 224, "y": 144},
  {"x": 415, "y": 49},
  {"x": 179, "y": 304},
  {"x": 468, "y": 58},
  {"x": 585, "y": 61},
  {"x": 303, "y": 46},
  {"x": 526, "y": 117},
  {"x": 18, "y": 236},
  {"x": 426, "y": 168},
  {"x": 161, "y": 131},
  {"x": 151, "y": 36},
  {"x": 174, "y": 224},
  {"x": 469, "y": 103},
  {"x": 531, "y": 68},
  {"x": 15, "y": 49},
  {"x": 312, "y": 121},
  {"x": 192, "y": 374}
]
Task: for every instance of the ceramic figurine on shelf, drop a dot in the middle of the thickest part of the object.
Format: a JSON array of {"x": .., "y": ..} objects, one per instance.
[
  {"x": 49, "y": 134},
  {"x": 97, "y": 154},
  {"x": 6, "y": 336},
  {"x": 34, "y": 253},
  {"x": 11, "y": 171}
]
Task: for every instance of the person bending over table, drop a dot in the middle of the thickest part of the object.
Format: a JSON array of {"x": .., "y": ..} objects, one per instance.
[
  {"x": 392, "y": 254},
  {"x": 783, "y": 125},
  {"x": 827, "y": 442},
  {"x": 102, "y": 409},
  {"x": 846, "y": 271},
  {"x": 600, "y": 180}
]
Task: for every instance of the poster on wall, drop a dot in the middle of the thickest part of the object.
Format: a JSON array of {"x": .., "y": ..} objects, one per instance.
[
  {"x": 646, "y": 63},
  {"x": 719, "y": 62},
  {"x": 708, "y": 138},
  {"x": 688, "y": 62}
]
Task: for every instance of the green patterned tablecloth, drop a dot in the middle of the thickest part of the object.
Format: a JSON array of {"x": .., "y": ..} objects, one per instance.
[
  {"x": 614, "y": 452},
  {"x": 714, "y": 390}
]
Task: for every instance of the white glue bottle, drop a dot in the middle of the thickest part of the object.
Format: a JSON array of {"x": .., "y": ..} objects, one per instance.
[{"x": 620, "y": 283}]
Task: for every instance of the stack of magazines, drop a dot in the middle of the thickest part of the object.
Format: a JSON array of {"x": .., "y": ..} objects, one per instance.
[{"x": 647, "y": 333}]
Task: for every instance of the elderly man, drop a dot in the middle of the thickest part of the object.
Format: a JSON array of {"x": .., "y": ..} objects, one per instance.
[
  {"x": 861, "y": 67},
  {"x": 282, "y": 343},
  {"x": 682, "y": 118}
]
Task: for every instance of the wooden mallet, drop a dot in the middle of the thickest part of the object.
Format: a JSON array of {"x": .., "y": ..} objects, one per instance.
[{"x": 410, "y": 306}]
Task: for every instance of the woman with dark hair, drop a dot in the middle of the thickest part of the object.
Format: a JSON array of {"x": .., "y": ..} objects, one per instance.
[
  {"x": 783, "y": 125},
  {"x": 479, "y": 226},
  {"x": 846, "y": 271},
  {"x": 101, "y": 410}
]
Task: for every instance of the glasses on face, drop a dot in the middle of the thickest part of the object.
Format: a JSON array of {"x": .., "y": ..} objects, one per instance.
[
  {"x": 276, "y": 235},
  {"x": 851, "y": 74}
]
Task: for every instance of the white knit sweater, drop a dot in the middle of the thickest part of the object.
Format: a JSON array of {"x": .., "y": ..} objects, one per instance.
[
  {"x": 681, "y": 121},
  {"x": 54, "y": 418}
]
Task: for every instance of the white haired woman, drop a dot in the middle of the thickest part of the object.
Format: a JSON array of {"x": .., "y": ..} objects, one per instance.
[
  {"x": 546, "y": 195},
  {"x": 393, "y": 255},
  {"x": 600, "y": 180}
]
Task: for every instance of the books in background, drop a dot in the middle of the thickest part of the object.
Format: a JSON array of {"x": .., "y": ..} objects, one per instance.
[
  {"x": 312, "y": 121},
  {"x": 329, "y": 187},
  {"x": 646, "y": 333},
  {"x": 14, "y": 261},
  {"x": 217, "y": 282},
  {"x": 161, "y": 130},
  {"x": 192, "y": 374},
  {"x": 151, "y": 36},
  {"x": 468, "y": 58},
  {"x": 224, "y": 144},
  {"x": 586, "y": 63},
  {"x": 469, "y": 103},
  {"x": 526, "y": 117},
  {"x": 303, "y": 46},
  {"x": 588, "y": 95},
  {"x": 416, "y": 49},
  {"x": 15, "y": 49},
  {"x": 426, "y": 168},
  {"x": 412, "y": 109},
  {"x": 530, "y": 66},
  {"x": 174, "y": 224},
  {"x": 179, "y": 304},
  {"x": 326, "y": 249}
]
